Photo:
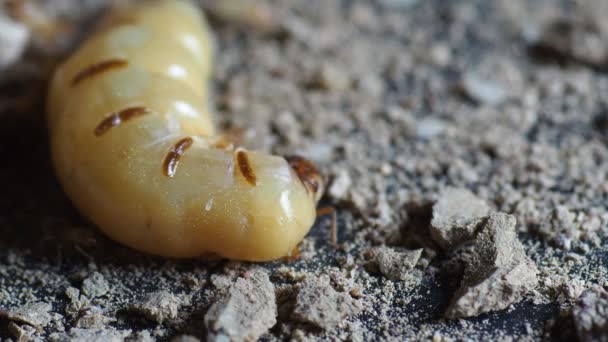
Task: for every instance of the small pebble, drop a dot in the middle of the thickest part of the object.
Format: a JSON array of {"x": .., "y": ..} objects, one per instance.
[
  {"x": 429, "y": 128},
  {"x": 158, "y": 306},
  {"x": 396, "y": 264},
  {"x": 340, "y": 185},
  {"x": 95, "y": 285},
  {"x": 483, "y": 90},
  {"x": 14, "y": 37}
]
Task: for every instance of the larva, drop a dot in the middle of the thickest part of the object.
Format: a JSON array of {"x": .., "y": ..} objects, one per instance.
[{"x": 134, "y": 146}]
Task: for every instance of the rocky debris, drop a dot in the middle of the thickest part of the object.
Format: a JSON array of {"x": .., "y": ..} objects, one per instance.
[
  {"x": 403, "y": 119},
  {"x": 141, "y": 336},
  {"x": 572, "y": 288},
  {"x": 340, "y": 185},
  {"x": 483, "y": 90},
  {"x": 319, "y": 304},
  {"x": 382, "y": 214},
  {"x": 245, "y": 312},
  {"x": 370, "y": 85},
  {"x": 185, "y": 338},
  {"x": 440, "y": 54},
  {"x": 566, "y": 228},
  {"x": 396, "y": 264},
  {"x": 95, "y": 285},
  {"x": 107, "y": 334},
  {"x": 159, "y": 306},
  {"x": 405, "y": 116},
  {"x": 287, "y": 127},
  {"x": 590, "y": 315},
  {"x": 429, "y": 128},
  {"x": 77, "y": 302},
  {"x": 499, "y": 272},
  {"x": 36, "y": 314},
  {"x": 53, "y": 24},
  {"x": 317, "y": 152},
  {"x": 399, "y": 4},
  {"x": 22, "y": 332},
  {"x": 14, "y": 37},
  {"x": 221, "y": 281},
  {"x": 578, "y": 40},
  {"x": 456, "y": 216},
  {"x": 560, "y": 226},
  {"x": 93, "y": 320},
  {"x": 330, "y": 78}
]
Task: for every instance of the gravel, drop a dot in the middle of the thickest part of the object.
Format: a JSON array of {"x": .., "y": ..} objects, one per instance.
[
  {"x": 483, "y": 90},
  {"x": 487, "y": 200},
  {"x": 590, "y": 314}
]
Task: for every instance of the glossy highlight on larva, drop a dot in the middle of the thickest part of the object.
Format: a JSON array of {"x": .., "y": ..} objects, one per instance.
[{"x": 135, "y": 149}]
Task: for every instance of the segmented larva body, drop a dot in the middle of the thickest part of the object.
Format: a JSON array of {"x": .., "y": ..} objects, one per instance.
[{"x": 134, "y": 146}]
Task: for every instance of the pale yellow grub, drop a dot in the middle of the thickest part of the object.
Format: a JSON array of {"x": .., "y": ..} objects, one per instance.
[{"x": 134, "y": 146}]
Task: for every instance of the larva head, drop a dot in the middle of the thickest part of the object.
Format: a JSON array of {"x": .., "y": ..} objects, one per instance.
[{"x": 309, "y": 175}]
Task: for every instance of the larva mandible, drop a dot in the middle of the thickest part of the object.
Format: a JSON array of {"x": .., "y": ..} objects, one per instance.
[{"x": 134, "y": 146}]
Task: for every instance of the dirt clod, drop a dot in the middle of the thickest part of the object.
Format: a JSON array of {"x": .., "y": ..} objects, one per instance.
[
  {"x": 95, "y": 285},
  {"x": 107, "y": 334},
  {"x": 499, "y": 272},
  {"x": 185, "y": 338},
  {"x": 158, "y": 306},
  {"x": 396, "y": 264},
  {"x": 590, "y": 314},
  {"x": 36, "y": 314},
  {"x": 456, "y": 216},
  {"x": 245, "y": 312},
  {"x": 319, "y": 304}
]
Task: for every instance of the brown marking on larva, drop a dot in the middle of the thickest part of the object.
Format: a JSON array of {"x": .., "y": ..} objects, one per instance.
[
  {"x": 98, "y": 68},
  {"x": 245, "y": 167},
  {"x": 308, "y": 174},
  {"x": 172, "y": 158},
  {"x": 116, "y": 118}
]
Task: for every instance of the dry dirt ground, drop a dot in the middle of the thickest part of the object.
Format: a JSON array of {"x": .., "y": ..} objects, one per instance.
[{"x": 466, "y": 147}]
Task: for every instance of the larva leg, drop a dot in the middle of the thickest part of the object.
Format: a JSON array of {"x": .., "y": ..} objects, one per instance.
[
  {"x": 334, "y": 223},
  {"x": 294, "y": 255}
]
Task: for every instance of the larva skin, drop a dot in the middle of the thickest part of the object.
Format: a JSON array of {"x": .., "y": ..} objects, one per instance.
[{"x": 135, "y": 149}]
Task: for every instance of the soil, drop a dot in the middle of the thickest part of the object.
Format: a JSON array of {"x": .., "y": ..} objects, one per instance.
[{"x": 466, "y": 148}]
